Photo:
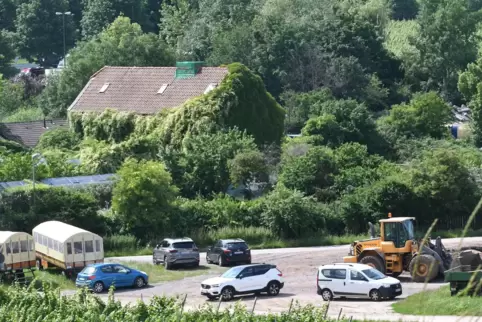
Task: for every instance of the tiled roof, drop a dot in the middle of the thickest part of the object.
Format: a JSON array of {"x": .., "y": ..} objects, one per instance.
[
  {"x": 135, "y": 89},
  {"x": 28, "y": 133}
]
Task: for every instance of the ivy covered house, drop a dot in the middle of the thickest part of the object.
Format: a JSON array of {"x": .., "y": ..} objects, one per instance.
[{"x": 146, "y": 90}]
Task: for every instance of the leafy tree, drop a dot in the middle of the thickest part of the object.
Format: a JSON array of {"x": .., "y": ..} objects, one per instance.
[
  {"x": 11, "y": 97},
  {"x": 311, "y": 173},
  {"x": 97, "y": 15},
  {"x": 426, "y": 115},
  {"x": 7, "y": 15},
  {"x": 142, "y": 197},
  {"x": 204, "y": 161},
  {"x": 342, "y": 121},
  {"x": 291, "y": 214},
  {"x": 477, "y": 116},
  {"x": 446, "y": 43},
  {"x": 40, "y": 31},
  {"x": 122, "y": 44},
  {"x": 248, "y": 167},
  {"x": 7, "y": 54},
  {"x": 404, "y": 9},
  {"x": 470, "y": 79}
]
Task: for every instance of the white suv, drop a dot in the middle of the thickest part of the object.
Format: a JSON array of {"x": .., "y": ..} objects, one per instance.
[
  {"x": 355, "y": 280},
  {"x": 245, "y": 279}
]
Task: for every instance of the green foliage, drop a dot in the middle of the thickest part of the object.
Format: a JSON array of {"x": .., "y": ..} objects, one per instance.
[
  {"x": 477, "y": 116},
  {"x": 142, "y": 197},
  {"x": 20, "y": 212},
  {"x": 27, "y": 304},
  {"x": 204, "y": 161},
  {"x": 7, "y": 52},
  {"x": 122, "y": 44},
  {"x": 470, "y": 79},
  {"x": 447, "y": 43},
  {"x": 10, "y": 146},
  {"x": 398, "y": 36},
  {"x": 404, "y": 9},
  {"x": 11, "y": 97},
  {"x": 248, "y": 167},
  {"x": 291, "y": 214},
  {"x": 311, "y": 173},
  {"x": 426, "y": 115},
  {"x": 39, "y": 31},
  {"x": 59, "y": 138},
  {"x": 26, "y": 114}
]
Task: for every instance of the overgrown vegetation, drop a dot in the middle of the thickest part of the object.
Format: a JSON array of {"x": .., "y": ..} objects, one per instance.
[
  {"x": 439, "y": 302},
  {"x": 89, "y": 308}
]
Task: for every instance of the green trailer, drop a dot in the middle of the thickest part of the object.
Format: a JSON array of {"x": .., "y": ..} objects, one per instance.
[{"x": 461, "y": 277}]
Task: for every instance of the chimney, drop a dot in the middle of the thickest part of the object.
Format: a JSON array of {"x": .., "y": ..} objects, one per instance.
[
  {"x": 188, "y": 69},
  {"x": 45, "y": 124}
]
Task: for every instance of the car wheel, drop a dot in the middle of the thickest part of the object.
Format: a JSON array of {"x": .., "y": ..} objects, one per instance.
[
  {"x": 139, "y": 282},
  {"x": 98, "y": 287},
  {"x": 220, "y": 261},
  {"x": 375, "y": 295},
  {"x": 327, "y": 295},
  {"x": 273, "y": 288},
  {"x": 167, "y": 265},
  {"x": 227, "y": 294}
]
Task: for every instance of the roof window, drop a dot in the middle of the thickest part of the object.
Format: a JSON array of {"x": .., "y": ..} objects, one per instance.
[
  {"x": 104, "y": 88},
  {"x": 162, "y": 89},
  {"x": 210, "y": 87}
]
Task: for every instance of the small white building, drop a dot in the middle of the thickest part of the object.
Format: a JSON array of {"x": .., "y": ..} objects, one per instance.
[
  {"x": 67, "y": 247},
  {"x": 16, "y": 251}
]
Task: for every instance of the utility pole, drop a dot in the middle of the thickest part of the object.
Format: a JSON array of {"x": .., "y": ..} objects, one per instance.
[{"x": 63, "y": 14}]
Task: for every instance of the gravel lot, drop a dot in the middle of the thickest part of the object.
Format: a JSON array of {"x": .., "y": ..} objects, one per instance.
[{"x": 299, "y": 270}]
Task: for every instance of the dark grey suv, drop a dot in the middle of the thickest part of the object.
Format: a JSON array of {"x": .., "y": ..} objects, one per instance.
[{"x": 176, "y": 251}]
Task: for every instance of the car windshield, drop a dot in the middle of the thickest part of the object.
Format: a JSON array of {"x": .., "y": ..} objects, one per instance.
[
  {"x": 88, "y": 270},
  {"x": 238, "y": 245},
  {"x": 373, "y": 274},
  {"x": 233, "y": 272},
  {"x": 184, "y": 245}
]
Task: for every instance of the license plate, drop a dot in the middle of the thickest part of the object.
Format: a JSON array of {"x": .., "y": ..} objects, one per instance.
[{"x": 238, "y": 253}]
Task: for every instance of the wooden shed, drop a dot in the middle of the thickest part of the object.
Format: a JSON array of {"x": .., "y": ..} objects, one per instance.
[{"x": 67, "y": 247}]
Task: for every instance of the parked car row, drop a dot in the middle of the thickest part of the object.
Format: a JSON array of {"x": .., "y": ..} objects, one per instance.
[{"x": 183, "y": 251}]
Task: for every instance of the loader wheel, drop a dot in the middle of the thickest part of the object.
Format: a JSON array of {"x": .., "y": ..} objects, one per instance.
[
  {"x": 375, "y": 262},
  {"x": 423, "y": 268}
]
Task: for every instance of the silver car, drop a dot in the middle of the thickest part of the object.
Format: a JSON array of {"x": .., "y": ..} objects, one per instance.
[{"x": 176, "y": 251}]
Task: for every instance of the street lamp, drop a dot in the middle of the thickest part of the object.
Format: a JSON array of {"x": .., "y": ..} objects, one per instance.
[
  {"x": 37, "y": 159},
  {"x": 63, "y": 14}
]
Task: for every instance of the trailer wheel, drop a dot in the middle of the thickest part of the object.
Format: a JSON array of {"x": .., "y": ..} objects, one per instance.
[{"x": 39, "y": 266}]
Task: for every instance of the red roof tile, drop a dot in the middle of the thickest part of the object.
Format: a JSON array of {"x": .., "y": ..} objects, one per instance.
[
  {"x": 135, "y": 89},
  {"x": 28, "y": 133}
]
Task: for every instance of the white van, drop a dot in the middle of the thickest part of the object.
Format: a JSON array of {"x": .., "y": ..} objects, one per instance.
[{"x": 355, "y": 281}]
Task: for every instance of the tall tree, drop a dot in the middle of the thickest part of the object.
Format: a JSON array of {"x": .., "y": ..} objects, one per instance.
[
  {"x": 98, "y": 14},
  {"x": 7, "y": 54},
  {"x": 447, "y": 43},
  {"x": 404, "y": 9},
  {"x": 40, "y": 31},
  {"x": 7, "y": 14}
]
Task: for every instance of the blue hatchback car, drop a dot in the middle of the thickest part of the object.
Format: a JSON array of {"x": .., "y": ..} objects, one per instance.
[{"x": 99, "y": 277}]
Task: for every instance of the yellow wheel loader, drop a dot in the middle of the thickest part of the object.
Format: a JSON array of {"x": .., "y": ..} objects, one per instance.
[{"x": 396, "y": 250}]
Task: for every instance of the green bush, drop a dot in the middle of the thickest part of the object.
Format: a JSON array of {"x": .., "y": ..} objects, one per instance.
[
  {"x": 124, "y": 243},
  {"x": 59, "y": 138},
  {"x": 252, "y": 235},
  {"x": 22, "y": 209},
  {"x": 27, "y": 305}
]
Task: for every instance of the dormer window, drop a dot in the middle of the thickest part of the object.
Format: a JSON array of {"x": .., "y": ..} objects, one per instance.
[
  {"x": 162, "y": 89},
  {"x": 104, "y": 88},
  {"x": 210, "y": 87}
]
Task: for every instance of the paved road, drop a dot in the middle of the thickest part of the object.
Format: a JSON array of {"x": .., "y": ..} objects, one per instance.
[{"x": 299, "y": 269}]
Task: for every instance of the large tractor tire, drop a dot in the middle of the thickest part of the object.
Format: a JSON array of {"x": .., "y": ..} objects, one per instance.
[
  {"x": 375, "y": 262},
  {"x": 423, "y": 268}
]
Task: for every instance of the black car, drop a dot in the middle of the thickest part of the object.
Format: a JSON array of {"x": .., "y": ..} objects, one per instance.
[{"x": 229, "y": 251}]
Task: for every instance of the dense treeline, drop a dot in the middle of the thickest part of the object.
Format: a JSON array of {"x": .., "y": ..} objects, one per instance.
[{"x": 369, "y": 84}]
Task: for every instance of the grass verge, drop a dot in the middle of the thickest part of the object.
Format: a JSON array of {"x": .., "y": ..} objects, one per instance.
[
  {"x": 439, "y": 302},
  {"x": 157, "y": 273}
]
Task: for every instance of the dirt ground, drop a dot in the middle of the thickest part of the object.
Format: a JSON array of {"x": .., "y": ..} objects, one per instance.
[{"x": 299, "y": 270}]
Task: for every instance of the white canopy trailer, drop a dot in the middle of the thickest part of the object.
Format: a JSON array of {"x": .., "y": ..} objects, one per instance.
[
  {"x": 16, "y": 251},
  {"x": 67, "y": 247}
]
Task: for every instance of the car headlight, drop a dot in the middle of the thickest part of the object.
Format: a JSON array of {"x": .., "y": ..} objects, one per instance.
[
  {"x": 143, "y": 272},
  {"x": 386, "y": 285}
]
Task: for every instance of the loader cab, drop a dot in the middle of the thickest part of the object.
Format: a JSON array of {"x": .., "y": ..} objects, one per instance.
[{"x": 399, "y": 231}]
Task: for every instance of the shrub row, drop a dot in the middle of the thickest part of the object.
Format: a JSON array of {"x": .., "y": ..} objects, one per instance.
[{"x": 18, "y": 304}]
